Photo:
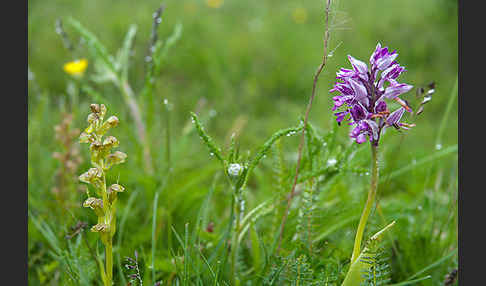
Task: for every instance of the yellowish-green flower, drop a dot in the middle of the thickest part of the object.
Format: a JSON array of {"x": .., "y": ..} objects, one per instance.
[
  {"x": 299, "y": 15},
  {"x": 76, "y": 67},
  {"x": 214, "y": 3}
]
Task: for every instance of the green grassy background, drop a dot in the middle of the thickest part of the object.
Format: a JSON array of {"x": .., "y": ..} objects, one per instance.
[{"x": 252, "y": 62}]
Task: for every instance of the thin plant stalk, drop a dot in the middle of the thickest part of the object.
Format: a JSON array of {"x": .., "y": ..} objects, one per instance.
[
  {"x": 129, "y": 96},
  {"x": 154, "y": 241},
  {"x": 167, "y": 138},
  {"x": 369, "y": 203},
  {"x": 234, "y": 239},
  {"x": 309, "y": 105},
  {"x": 109, "y": 262}
]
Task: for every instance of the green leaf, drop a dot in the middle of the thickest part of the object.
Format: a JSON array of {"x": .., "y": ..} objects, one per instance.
[
  {"x": 206, "y": 139},
  {"x": 266, "y": 147},
  {"x": 123, "y": 56},
  {"x": 355, "y": 276},
  {"x": 161, "y": 51}
]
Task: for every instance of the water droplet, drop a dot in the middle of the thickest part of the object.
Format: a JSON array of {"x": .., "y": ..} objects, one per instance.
[
  {"x": 419, "y": 208},
  {"x": 367, "y": 173},
  {"x": 166, "y": 101},
  {"x": 159, "y": 20},
  {"x": 148, "y": 58},
  {"x": 234, "y": 169},
  {"x": 211, "y": 154},
  {"x": 331, "y": 162},
  {"x": 438, "y": 146}
]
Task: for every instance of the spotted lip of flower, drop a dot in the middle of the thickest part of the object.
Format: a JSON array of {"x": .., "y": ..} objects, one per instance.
[
  {"x": 76, "y": 68},
  {"x": 363, "y": 92}
]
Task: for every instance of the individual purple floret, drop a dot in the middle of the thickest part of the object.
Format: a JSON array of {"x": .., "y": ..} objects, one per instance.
[{"x": 363, "y": 91}]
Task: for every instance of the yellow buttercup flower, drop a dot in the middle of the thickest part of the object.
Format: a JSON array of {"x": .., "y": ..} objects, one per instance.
[
  {"x": 76, "y": 67},
  {"x": 214, "y": 3}
]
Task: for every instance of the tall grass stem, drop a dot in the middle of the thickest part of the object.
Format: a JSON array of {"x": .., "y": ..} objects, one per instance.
[{"x": 306, "y": 118}]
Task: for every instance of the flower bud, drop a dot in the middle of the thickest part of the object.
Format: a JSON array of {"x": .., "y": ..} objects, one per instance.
[
  {"x": 90, "y": 175},
  {"x": 90, "y": 129},
  {"x": 235, "y": 170},
  {"x": 57, "y": 155},
  {"x": 57, "y": 128},
  {"x": 111, "y": 141},
  {"x": 115, "y": 158},
  {"x": 70, "y": 165},
  {"x": 92, "y": 118},
  {"x": 95, "y": 145},
  {"x": 109, "y": 123},
  {"x": 113, "y": 190},
  {"x": 116, "y": 188},
  {"x": 102, "y": 110},
  {"x": 101, "y": 227},
  {"x": 95, "y": 108},
  {"x": 97, "y": 153},
  {"x": 112, "y": 121},
  {"x": 94, "y": 204}
]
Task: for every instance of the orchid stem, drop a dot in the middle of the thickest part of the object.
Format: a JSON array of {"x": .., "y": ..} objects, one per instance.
[
  {"x": 369, "y": 203},
  {"x": 109, "y": 263}
]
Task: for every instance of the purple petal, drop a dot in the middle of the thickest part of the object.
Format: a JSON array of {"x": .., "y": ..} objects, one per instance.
[
  {"x": 390, "y": 73},
  {"x": 356, "y": 131},
  {"x": 375, "y": 54},
  {"x": 339, "y": 100},
  {"x": 385, "y": 61},
  {"x": 358, "y": 112},
  {"x": 380, "y": 106},
  {"x": 374, "y": 128},
  {"x": 361, "y": 138},
  {"x": 381, "y": 59},
  {"x": 342, "y": 87},
  {"x": 345, "y": 73},
  {"x": 395, "y": 89},
  {"x": 395, "y": 116},
  {"x": 358, "y": 66},
  {"x": 360, "y": 93},
  {"x": 340, "y": 116}
]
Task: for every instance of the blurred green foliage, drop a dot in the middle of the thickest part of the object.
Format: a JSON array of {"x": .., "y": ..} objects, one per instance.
[{"x": 248, "y": 65}]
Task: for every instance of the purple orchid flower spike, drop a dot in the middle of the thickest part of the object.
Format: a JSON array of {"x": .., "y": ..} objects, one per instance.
[{"x": 363, "y": 91}]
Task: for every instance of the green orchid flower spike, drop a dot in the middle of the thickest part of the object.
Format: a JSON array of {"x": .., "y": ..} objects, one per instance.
[{"x": 104, "y": 203}]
